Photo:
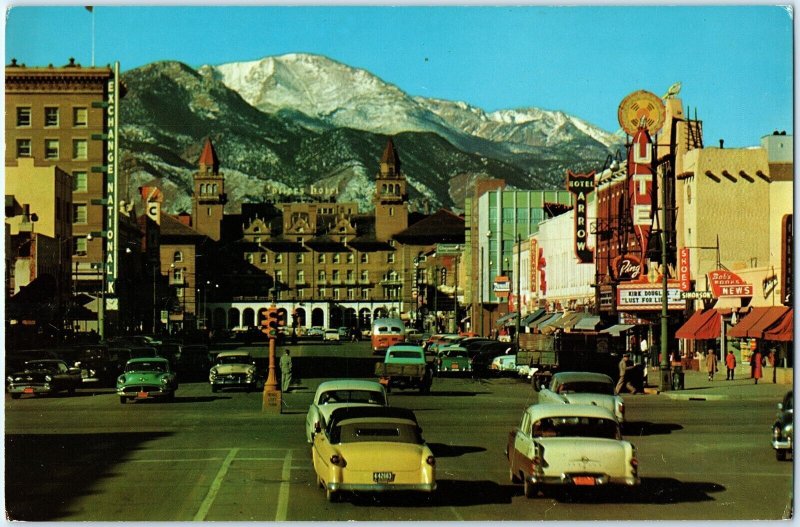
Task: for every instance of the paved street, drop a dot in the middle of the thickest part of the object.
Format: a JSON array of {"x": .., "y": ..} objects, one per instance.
[{"x": 218, "y": 457}]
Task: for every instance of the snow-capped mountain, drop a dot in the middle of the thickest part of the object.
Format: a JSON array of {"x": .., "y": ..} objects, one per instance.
[{"x": 289, "y": 121}]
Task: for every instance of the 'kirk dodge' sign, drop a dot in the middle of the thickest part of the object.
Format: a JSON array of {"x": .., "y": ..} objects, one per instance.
[{"x": 580, "y": 185}]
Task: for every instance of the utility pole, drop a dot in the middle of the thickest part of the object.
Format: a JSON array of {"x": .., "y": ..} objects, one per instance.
[{"x": 519, "y": 296}]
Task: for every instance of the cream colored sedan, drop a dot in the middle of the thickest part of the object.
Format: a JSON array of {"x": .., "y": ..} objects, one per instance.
[
  {"x": 372, "y": 449},
  {"x": 341, "y": 393}
]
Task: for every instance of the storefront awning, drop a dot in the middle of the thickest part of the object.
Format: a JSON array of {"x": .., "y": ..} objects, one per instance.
[
  {"x": 505, "y": 318},
  {"x": 741, "y": 329},
  {"x": 546, "y": 325},
  {"x": 587, "y": 323},
  {"x": 617, "y": 329},
  {"x": 696, "y": 324},
  {"x": 783, "y": 329},
  {"x": 530, "y": 317},
  {"x": 770, "y": 317},
  {"x": 567, "y": 321}
]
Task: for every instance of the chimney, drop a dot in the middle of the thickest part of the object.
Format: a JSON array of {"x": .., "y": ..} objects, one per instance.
[{"x": 721, "y": 143}]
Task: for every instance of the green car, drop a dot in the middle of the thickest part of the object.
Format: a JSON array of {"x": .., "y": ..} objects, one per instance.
[
  {"x": 451, "y": 359},
  {"x": 146, "y": 378}
]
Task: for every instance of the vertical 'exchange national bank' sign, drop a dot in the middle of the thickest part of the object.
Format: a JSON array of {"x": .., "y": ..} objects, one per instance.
[
  {"x": 580, "y": 185},
  {"x": 112, "y": 150}
]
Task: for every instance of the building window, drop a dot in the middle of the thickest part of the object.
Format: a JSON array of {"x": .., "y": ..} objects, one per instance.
[
  {"x": 351, "y": 258},
  {"x": 389, "y": 257},
  {"x": 301, "y": 277},
  {"x": 393, "y": 276},
  {"x": 79, "y": 182},
  {"x": 79, "y": 245},
  {"x": 279, "y": 258},
  {"x": 179, "y": 292},
  {"x": 364, "y": 258},
  {"x": 79, "y": 213},
  {"x": 24, "y": 116},
  {"x": 299, "y": 258},
  {"x": 335, "y": 258},
  {"x": 335, "y": 276},
  {"x": 301, "y": 294},
  {"x": 364, "y": 294},
  {"x": 264, "y": 258},
  {"x": 177, "y": 256},
  {"x": 391, "y": 211},
  {"x": 336, "y": 293},
  {"x": 278, "y": 277},
  {"x": 80, "y": 117},
  {"x": 351, "y": 293},
  {"x": 177, "y": 275},
  {"x": 322, "y": 292},
  {"x": 257, "y": 239},
  {"x": 350, "y": 276},
  {"x": 23, "y": 148},
  {"x": 321, "y": 276},
  {"x": 51, "y": 148},
  {"x": 50, "y": 116},
  {"x": 321, "y": 258},
  {"x": 365, "y": 276},
  {"x": 80, "y": 149},
  {"x": 248, "y": 257}
]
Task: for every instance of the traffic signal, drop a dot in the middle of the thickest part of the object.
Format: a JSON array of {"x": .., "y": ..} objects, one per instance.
[
  {"x": 444, "y": 275},
  {"x": 271, "y": 322}
]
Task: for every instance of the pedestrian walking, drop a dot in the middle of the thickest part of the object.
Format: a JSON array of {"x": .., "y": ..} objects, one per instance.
[
  {"x": 755, "y": 366},
  {"x": 625, "y": 367},
  {"x": 711, "y": 364},
  {"x": 286, "y": 371},
  {"x": 730, "y": 363}
]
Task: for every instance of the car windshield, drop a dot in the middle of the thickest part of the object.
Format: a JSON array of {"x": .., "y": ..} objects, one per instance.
[
  {"x": 42, "y": 365},
  {"x": 455, "y": 353},
  {"x": 603, "y": 388},
  {"x": 352, "y": 396},
  {"x": 576, "y": 427},
  {"x": 384, "y": 432},
  {"x": 234, "y": 359},
  {"x": 90, "y": 354},
  {"x": 146, "y": 366}
]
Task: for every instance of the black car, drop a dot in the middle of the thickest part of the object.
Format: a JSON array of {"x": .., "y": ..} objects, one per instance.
[
  {"x": 43, "y": 376},
  {"x": 484, "y": 355},
  {"x": 783, "y": 428},
  {"x": 187, "y": 360},
  {"x": 96, "y": 364}
]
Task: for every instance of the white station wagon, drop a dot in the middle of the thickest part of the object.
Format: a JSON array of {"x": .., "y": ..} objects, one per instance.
[
  {"x": 341, "y": 393},
  {"x": 572, "y": 445},
  {"x": 583, "y": 387}
]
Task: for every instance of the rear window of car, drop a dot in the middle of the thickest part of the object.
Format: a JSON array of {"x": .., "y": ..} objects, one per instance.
[
  {"x": 603, "y": 388},
  {"x": 352, "y": 396},
  {"x": 576, "y": 427},
  {"x": 404, "y": 354},
  {"x": 384, "y": 432}
]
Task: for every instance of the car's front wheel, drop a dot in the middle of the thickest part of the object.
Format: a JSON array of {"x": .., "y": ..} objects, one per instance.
[{"x": 780, "y": 454}]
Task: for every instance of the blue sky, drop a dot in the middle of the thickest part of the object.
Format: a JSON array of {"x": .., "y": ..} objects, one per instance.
[{"x": 735, "y": 63}]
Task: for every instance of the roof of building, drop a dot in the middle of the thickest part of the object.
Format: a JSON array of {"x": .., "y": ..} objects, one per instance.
[
  {"x": 390, "y": 155},
  {"x": 441, "y": 227},
  {"x": 209, "y": 155}
]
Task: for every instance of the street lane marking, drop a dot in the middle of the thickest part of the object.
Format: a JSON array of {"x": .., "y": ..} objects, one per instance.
[
  {"x": 456, "y": 514},
  {"x": 283, "y": 492},
  {"x": 215, "y": 485}
]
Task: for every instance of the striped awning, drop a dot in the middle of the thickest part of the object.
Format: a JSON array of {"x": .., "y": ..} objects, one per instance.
[
  {"x": 617, "y": 329},
  {"x": 587, "y": 323}
]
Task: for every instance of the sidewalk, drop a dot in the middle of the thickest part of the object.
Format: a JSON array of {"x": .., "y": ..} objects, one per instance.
[{"x": 698, "y": 387}]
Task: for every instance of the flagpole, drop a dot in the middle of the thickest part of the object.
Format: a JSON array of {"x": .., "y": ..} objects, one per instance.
[{"x": 93, "y": 37}]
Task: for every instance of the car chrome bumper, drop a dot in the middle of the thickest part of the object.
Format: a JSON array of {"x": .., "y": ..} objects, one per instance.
[
  {"x": 23, "y": 389},
  {"x": 782, "y": 445},
  {"x": 232, "y": 382},
  {"x": 599, "y": 480},
  {"x": 381, "y": 487},
  {"x": 149, "y": 390}
]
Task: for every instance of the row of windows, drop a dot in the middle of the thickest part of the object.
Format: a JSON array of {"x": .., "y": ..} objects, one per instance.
[
  {"x": 52, "y": 148},
  {"x": 321, "y": 258},
  {"x": 208, "y": 188},
  {"x": 52, "y": 117}
]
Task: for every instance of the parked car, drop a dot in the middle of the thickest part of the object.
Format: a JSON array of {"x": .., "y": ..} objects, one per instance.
[
  {"x": 233, "y": 369},
  {"x": 503, "y": 364},
  {"x": 98, "y": 366},
  {"x": 486, "y": 353},
  {"x": 583, "y": 387},
  {"x": 341, "y": 393},
  {"x": 332, "y": 335},
  {"x": 43, "y": 376},
  {"x": 783, "y": 428},
  {"x": 452, "y": 359},
  {"x": 187, "y": 359},
  {"x": 315, "y": 332},
  {"x": 413, "y": 336},
  {"x": 147, "y": 378},
  {"x": 569, "y": 445},
  {"x": 372, "y": 449}
]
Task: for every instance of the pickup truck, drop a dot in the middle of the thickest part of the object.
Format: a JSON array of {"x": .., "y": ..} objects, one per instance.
[{"x": 405, "y": 367}]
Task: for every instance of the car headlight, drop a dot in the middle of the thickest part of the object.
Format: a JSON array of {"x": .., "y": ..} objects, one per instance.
[
  {"x": 48, "y": 378},
  {"x": 10, "y": 379},
  {"x": 121, "y": 379},
  {"x": 164, "y": 379},
  {"x": 212, "y": 374}
]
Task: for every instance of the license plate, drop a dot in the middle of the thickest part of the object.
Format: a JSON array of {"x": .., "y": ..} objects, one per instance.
[
  {"x": 27, "y": 390},
  {"x": 583, "y": 480},
  {"x": 141, "y": 395},
  {"x": 383, "y": 477},
  {"x": 454, "y": 366}
]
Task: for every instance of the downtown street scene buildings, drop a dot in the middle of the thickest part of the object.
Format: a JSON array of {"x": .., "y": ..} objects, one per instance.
[{"x": 670, "y": 245}]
